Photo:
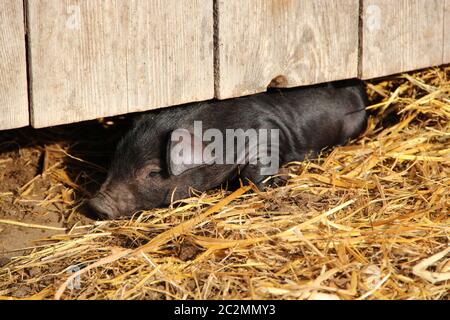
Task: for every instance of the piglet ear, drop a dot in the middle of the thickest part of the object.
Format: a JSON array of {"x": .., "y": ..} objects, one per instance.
[{"x": 184, "y": 151}]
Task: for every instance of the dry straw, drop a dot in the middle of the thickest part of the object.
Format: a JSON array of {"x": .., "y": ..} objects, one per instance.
[{"x": 369, "y": 220}]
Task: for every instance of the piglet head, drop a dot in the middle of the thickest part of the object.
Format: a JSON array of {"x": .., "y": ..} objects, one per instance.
[{"x": 144, "y": 175}]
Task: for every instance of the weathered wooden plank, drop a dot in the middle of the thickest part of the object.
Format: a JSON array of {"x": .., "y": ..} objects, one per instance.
[
  {"x": 78, "y": 60},
  {"x": 13, "y": 74},
  {"x": 401, "y": 35},
  {"x": 446, "y": 54},
  {"x": 170, "y": 52},
  {"x": 293, "y": 42},
  {"x": 99, "y": 58}
]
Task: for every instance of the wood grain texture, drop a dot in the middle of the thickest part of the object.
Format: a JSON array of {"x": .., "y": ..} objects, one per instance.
[
  {"x": 97, "y": 58},
  {"x": 401, "y": 35},
  {"x": 446, "y": 53},
  {"x": 13, "y": 74},
  {"x": 293, "y": 42}
]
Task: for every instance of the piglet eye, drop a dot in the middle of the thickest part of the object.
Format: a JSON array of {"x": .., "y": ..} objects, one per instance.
[{"x": 153, "y": 174}]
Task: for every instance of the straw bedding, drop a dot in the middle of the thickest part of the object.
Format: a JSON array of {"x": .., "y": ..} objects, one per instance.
[{"x": 369, "y": 220}]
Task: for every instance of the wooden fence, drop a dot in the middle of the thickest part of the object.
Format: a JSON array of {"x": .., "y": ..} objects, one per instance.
[{"x": 86, "y": 59}]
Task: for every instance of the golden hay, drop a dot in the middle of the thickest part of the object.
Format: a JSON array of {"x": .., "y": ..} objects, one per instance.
[{"x": 369, "y": 220}]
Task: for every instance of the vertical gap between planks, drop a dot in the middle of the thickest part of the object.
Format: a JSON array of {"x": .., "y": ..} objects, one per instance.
[
  {"x": 28, "y": 68},
  {"x": 360, "y": 38},
  {"x": 216, "y": 50}
]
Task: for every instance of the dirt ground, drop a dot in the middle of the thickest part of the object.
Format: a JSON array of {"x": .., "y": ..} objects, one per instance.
[{"x": 30, "y": 195}]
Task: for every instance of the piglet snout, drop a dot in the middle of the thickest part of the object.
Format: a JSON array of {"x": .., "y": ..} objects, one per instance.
[{"x": 103, "y": 207}]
